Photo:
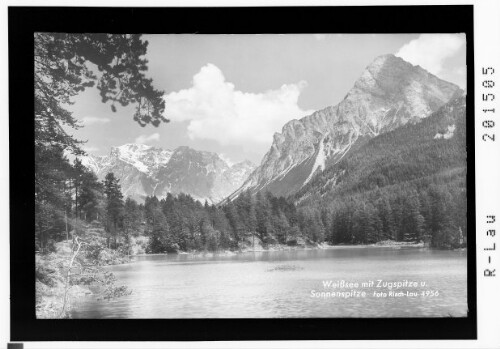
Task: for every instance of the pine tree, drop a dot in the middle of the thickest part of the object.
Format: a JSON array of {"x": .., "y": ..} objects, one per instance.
[
  {"x": 412, "y": 220},
  {"x": 160, "y": 239},
  {"x": 114, "y": 205},
  {"x": 397, "y": 214},
  {"x": 386, "y": 219},
  {"x": 52, "y": 194},
  {"x": 333, "y": 236},
  {"x": 460, "y": 215},
  {"x": 374, "y": 224},
  {"x": 235, "y": 222},
  {"x": 262, "y": 213},
  {"x": 221, "y": 225},
  {"x": 77, "y": 176},
  {"x": 131, "y": 221},
  {"x": 151, "y": 203},
  {"x": 315, "y": 231},
  {"x": 281, "y": 228},
  {"x": 91, "y": 195},
  {"x": 361, "y": 225}
]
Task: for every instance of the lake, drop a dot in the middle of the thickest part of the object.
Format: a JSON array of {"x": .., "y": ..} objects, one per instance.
[{"x": 300, "y": 283}]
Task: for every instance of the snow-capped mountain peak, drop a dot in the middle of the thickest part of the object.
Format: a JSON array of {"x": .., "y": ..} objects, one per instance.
[
  {"x": 145, "y": 158},
  {"x": 145, "y": 170}
]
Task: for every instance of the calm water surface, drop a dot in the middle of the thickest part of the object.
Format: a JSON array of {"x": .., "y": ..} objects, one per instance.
[{"x": 279, "y": 284}]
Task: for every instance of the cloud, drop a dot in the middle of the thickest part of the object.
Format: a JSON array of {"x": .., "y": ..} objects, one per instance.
[
  {"x": 143, "y": 139},
  {"x": 461, "y": 79},
  {"x": 90, "y": 148},
  {"x": 215, "y": 110},
  {"x": 93, "y": 120},
  {"x": 226, "y": 159},
  {"x": 320, "y": 37},
  {"x": 430, "y": 51},
  {"x": 461, "y": 71}
]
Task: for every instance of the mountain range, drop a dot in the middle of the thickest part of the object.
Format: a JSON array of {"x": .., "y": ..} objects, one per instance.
[
  {"x": 145, "y": 170},
  {"x": 389, "y": 94},
  {"x": 306, "y": 159}
]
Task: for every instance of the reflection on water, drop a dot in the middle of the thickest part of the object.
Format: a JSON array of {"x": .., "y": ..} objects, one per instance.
[{"x": 279, "y": 284}]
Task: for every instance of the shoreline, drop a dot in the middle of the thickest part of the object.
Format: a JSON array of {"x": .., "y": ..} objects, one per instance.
[{"x": 280, "y": 248}]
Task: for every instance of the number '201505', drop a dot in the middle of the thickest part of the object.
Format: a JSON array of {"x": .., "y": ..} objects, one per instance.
[{"x": 488, "y": 84}]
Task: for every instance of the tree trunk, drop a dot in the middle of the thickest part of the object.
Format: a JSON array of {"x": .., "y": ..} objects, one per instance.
[
  {"x": 68, "y": 274},
  {"x": 114, "y": 235},
  {"x": 42, "y": 237},
  {"x": 76, "y": 208},
  {"x": 66, "y": 222}
]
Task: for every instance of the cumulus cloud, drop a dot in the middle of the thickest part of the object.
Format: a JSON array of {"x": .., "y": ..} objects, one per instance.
[
  {"x": 93, "y": 120},
  {"x": 143, "y": 139},
  {"x": 90, "y": 149},
  {"x": 215, "y": 110},
  {"x": 430, "y": 51}
]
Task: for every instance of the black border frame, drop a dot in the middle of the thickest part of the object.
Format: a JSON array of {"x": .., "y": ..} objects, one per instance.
[{"x": 24, "y": 21}]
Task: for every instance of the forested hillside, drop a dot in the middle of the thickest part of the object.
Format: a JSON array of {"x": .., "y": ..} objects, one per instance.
[{"x": 408, "y": 184}]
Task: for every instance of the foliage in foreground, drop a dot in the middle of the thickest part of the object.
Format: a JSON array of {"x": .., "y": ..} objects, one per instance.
[{"x": 73, "y": 270}]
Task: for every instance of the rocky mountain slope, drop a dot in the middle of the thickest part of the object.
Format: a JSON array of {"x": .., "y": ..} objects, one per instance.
[
  {"x": 144, "y": 170},
  {"x": 389, "y": 94},
  {"x": 432, "y": 152}
]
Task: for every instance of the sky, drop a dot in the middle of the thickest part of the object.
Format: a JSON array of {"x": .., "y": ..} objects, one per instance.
[{"x": 230, "y": 93}]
